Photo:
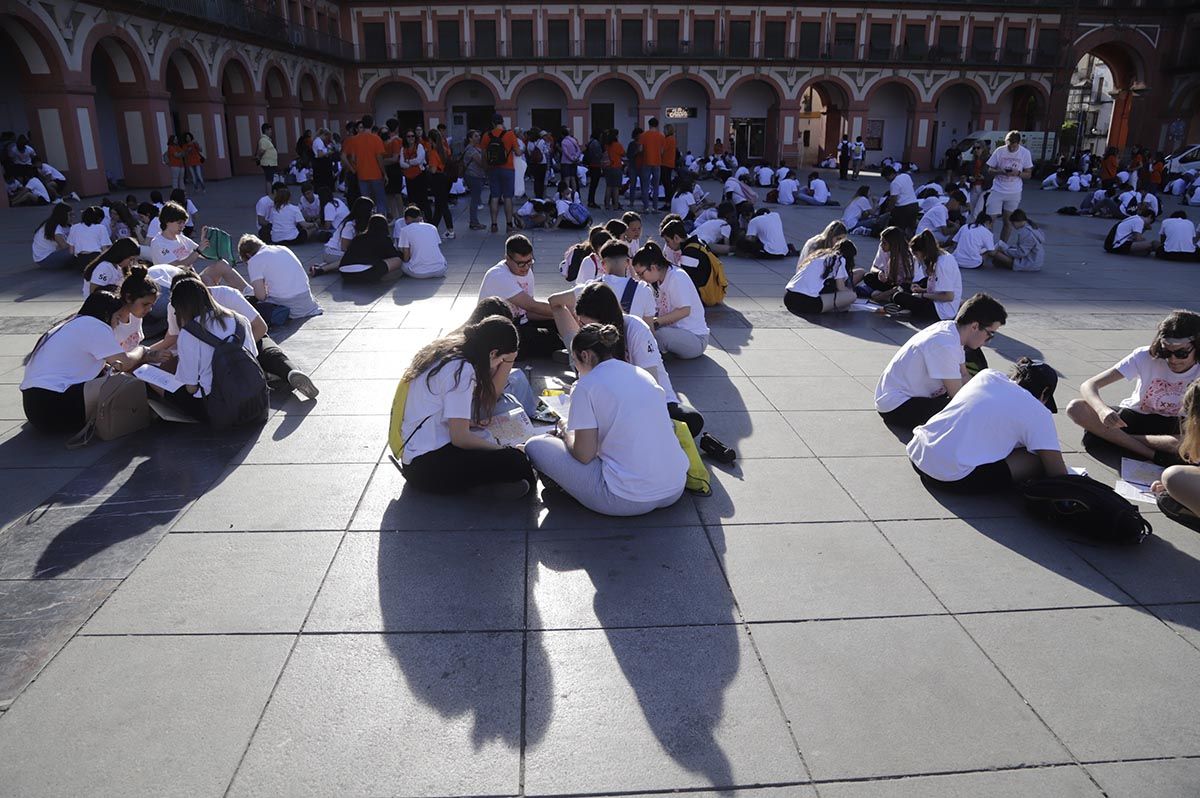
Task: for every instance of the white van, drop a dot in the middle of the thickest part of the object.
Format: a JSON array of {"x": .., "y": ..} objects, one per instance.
[{"x": 1184, "y": 159}]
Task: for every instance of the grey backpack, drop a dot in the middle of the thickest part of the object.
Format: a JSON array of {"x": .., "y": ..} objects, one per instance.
[{"x": 239, "y": 387}]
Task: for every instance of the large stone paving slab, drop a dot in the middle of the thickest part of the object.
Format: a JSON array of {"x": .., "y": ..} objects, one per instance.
[{"x": 1057, "y": 782}]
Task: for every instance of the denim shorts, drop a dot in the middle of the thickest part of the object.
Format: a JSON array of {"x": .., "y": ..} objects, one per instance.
[{"x": 502, "y": 183}]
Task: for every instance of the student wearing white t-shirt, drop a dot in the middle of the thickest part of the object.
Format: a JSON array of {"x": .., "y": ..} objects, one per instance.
[
  {"x": 1145, "y": 423},
  {"x": 173, "y": 248},
  {"x": 278, "y": 277},
  {"x": 581, "y": 261},
  {"x": 860, "y": 210},
  {"x": 1130, "y": 235},
  {"x": 111, "y": 266},
  {"x": 420, "y": 246},
  {"x": 892, "y": 270},
  {"x": 1009, "y": 166},
  {"x": 743, "y": 197},
  {"x": 715, "y": 234},
  {"x": 453, "y": 387},
  {"x": 683, "y": 202},
  {"x": 941, "y": 294},
  {"x": 816, "y": 192},
  {"x": 938, "y": 216},
  {"x": 50, "y": 248},
  {"x": 89, "y": 237},
  {"x": 901, "y": 204},
  {"x": 262, "y": 214},
  {"x": 764, "y": 236},
  {"x": 67, "y": 357},
  {"x": 678, "y": 323},
  {"x": 310, "y": 204},
  {"x": 931, "y": 368},
  {"x": 512, "y": 280},
  {"x": 820, "y": 282},
  {"x": 286, "y": 220},
  {"x": 996, "y": 432},
  {"x": 1179, "y": 239},
  {"x": 974, "y": 242},
  {"x": 138, "y": 295},
  {"x": 616, "y": 453},
  {"x": 789, "y": 187},
  {"x": 1178, "y": 489}
]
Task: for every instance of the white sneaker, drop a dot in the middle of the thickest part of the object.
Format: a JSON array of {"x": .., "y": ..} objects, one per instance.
[{"x": 449, "y": 234}]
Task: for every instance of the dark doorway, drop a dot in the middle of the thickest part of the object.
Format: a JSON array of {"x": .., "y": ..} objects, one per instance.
[
  {"x": 749, "y": 139},
  {"x": 408, "y": 119},
  {"x": 470, "y": 117},
  {"x": 546, "y": 119},
  {"x": 604, "y": 116}
]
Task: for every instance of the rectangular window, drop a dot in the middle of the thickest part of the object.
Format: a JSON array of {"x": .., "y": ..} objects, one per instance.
[
  {"x": 775, "y": 40},
  {"x": 810, "y": 39},
  {"x": 739, "y": 39},
  {"x": 633, "y": 41},
  {"x": 704, "y": 37},
  {"x": 668, "y": 37},
  {"x": 595, "y": 38},
  {"x": 1014, "y": 45},
  {"x": 1047, "y": 46},
  {"x": 915, "y": 44},
  {"x": 447, "y": 32},
  {"x": 880, "y": 47},
  {"x": 520, "y": 42},
  {"x": 844, "y": 40},
  {"x": 485, "y": 38},
  {"x": 983, "y": 39},
  {"x": 375, "y": 41},
  {"x": 558, "y": 33},
  {"x": 947, "y": 46},
  {"x": 410, "y": 41}
]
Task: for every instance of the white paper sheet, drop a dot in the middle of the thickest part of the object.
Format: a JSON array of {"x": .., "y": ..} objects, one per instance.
[
  {"x": 153, "y": 375},
  {"x": 1134, "y": 493},
  {"x": 1140, "y": 472},
  {"x": 866, "y": 306}
]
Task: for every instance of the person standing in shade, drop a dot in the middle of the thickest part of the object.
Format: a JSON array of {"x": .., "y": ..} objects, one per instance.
[
  {"x": 667, "y": 170},
  {"x": 858, "y": 153},
  {"x": 594, "y": 158},
  {"x": 475, "y": 176},
  {"x": 267, "y": 156},
  {"x": 499, "y": 147},
  {"x": 652, "y": 144},
  {"x": 843, "y": 158},
  {"x": 1009, "y": 166},
  {"x": 369, "y": 152}
]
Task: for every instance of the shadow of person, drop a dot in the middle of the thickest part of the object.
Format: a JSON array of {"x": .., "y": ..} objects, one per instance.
[
  {"x": 668, "y": 617},
  {"x": 452, "y": 607}
]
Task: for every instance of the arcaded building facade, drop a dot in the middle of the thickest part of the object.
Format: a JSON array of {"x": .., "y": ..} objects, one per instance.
[{"x": 101, "y": 87}]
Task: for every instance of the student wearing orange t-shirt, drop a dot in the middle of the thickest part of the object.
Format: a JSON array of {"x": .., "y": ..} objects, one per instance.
[
  {"x": 502, "y": 174},
  {"x": 393, "y": 145},
  {"x": 652, "y": 142},
  {"x": 193, "y": 158},
  {"x": 174, "y": 158},
  {"x": 414, "y": 159},
  {"x": 438, "y": 178},
  {"x": 667, "y": 170},
  {"x": 612, "y": 163},
  {"x": 367, "y": 162}
]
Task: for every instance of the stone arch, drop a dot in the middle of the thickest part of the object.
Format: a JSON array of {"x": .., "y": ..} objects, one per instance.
[
  {"x": 335, "y": 94},
  {"x": 370, "y": 90},
  {"x": 830, "y": 97},
  {"x": 766, "y": 78},
  {"x": 614, "y": 101},
  {"x": 189, "y": 63},
  {"x": 1128, "y": 56},
  {"x": 1015, "y": 113},
  {"x": 132, "y": 133},
  {"x": 234, "y": 76},
  {"x": 515, "y": 89},
  {"x": 892, "y": 102},
  {"x": 307, "y": 89},
  {"x": 969, "y": 83},
  {"x": 39, "y": 55},
  {"x": 31, "y": 58},
  {"x": 704, "y": 80},
  {"x": 958, "y": 111},
  {"x": 275, "y": 84},
  {"x": 588, "y": 86},
  {"x": 685, "y": 91},
  {"x": 401, "y": 100},
  {"x": 540, "y": 103},
  {"x": 125, "y": 55},
  {"x": 442, "y": 90},
  {"x": 883, "y": 80},
  {"x": 243, "y": 112},
  {"x": 753, "y": 129}
]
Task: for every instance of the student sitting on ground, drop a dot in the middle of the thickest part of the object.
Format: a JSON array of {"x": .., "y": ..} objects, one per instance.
[
  {"x": 1179, "y": 488},
  {"x": 715, "y": 234},
  {"x": 764, "y": 236},
  {"x": 738, "y": 191},
  {"x": 180, "y": 198},
  {"x": 893, "y": 269},
  {"x": 860, "y": 211},
  {"x": 616, "y": 228},
  {"x": 936, "y": 217},
  {"x": 172, "y": 248},
  {"x": 278, "y": 277},
  {"x": 1130, "y": 236},
  {"x": 789, "y": 190},
  {"x": 820, "y": 282},
  {"x": 50, "y": 247},
  {"x": 286, "y": 220},
  {"x": 333, "y": 213},
  {"x": 1145, "y": 423},
  {"x": 815, "y": 193},
  {"x": 192, "y": 301},
  {"x": 901, "y": 204},
  {"x": 88, "y": 237},
  {"x": 370, "y": 256},
  {"x": 632, "y": 235},
  {"x": 616, "y": 262},
  {"x": 513, "y": 281},
  {"x": 616, "y": 453},
  {"x": 1179, "y": 239},
  {"x": 1025, "y": 251},
  {"x": 262, "y": 212},
  {"x": 111, "y": 267},
  {"x": 454, "y": 384},
  {"x": 996, "y": 432},
  {"x": 138, "y": 295},
  {"x": 68, "y": 356},
  {"x": 931, "y": 368},
  {"x": 941, "y": 294},
  {"x": 974, "y": 242},
  {"x": 420, "y": 246},
  {"x": 581, "y": 261},
  {"x": 690, "y": 257},
  {"x": 310, "y": 205},
  {"x": 828, "y": 238},
  {"x": 271, "y": 357},
  {"x": 678, "y": 324}
]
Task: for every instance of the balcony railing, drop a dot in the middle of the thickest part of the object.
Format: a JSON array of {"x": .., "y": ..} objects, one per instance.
[
  {"x": 242, "y": 17},
  {"x": 601, "y": 50}
]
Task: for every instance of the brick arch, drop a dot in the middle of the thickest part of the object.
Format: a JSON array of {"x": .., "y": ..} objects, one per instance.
[
  {"x": 705, "y": 81},
  {"x": 1128, "y": 56},
  {"x": 764, "y": 77},
  {"x": 443, "y": 89},
  {"x": 308, "y": 80},
  {"x": 815, "y": 83},
  {"x": 372, "y": 87},
  {"x": 972, "y": 84},
  {"x": 235, "y": 60},
  {"x": 913, "y": 89},
  {"x": 191, "y": 69},
  {"x": 127, "y": 55},
  {"x": 40, "y": 54},
  {"x": 567, "y": 89},
  {"x": 589, "y": 85},
  {"x": 335, "y": 92},
  {"x": 273, "y": 67}
]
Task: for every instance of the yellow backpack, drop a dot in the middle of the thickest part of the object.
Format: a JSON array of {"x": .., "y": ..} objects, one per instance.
[
  {"x": 713, "y": 292},
  {"x": 396, "y": 425},
  {"x": 698, "y": 481}
]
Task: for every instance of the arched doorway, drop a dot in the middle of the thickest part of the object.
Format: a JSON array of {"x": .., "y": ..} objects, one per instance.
[
  {"x": 957, "y": 115},
  {"x": 613, "y": 104},
  {"x": 822, "y": 121},
  {"x": 470, "y": 105},
  {"x": 194, "y": 108},
  {"x": 335, "y": 97},
  {"x": 312, "y": 105},
  {"x": 401, "y": 102},
  {"x": 241, "y": 117},
  {"x": 684, "y": 104},
  {"x": 281, "y": 110},
  {"x": 541, "y": 104},
  {"x": 888, "y": 129},
  {"x": 754, "y": 122},
  {"x": 1107, "y": 81},
  {"x": 129, "y": 149}
]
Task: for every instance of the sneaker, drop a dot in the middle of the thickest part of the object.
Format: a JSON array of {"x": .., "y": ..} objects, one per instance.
[
  {"x": 502, "y": 490},
  {"x": 449, "y": 234},
  {"x": 303, "y": 383},
  {"x": 892, "y": 309},
  {"x": 73, "y": 196}
]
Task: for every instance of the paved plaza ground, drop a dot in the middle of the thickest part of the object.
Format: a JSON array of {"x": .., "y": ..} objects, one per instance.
[{"x": 271, "y": 612}]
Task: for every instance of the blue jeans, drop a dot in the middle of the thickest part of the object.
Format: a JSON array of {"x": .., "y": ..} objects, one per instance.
[
  {"x": 375, "y": 190},
  {"x": 475, "y": 185},
  {"x": 649, "y": 178},
  {"x": 58, "y": 259}
]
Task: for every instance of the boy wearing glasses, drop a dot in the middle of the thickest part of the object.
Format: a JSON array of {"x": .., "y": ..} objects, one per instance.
[
  {"x": 930, "y": 369},
  {"x": 512, "y": 280},
  {"x": 1146, "y": 423}
]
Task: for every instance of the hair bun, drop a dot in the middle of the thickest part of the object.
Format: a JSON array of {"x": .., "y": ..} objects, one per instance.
[
  {"x": 609, "y": 335},
  {"x": 139, "y": 272}
]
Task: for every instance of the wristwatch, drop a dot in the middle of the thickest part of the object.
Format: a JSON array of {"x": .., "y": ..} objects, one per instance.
[{"x": 656, "y": 322}]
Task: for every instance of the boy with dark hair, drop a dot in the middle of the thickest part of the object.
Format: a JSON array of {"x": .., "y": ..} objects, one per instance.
[{"x": 512, "y": 280}]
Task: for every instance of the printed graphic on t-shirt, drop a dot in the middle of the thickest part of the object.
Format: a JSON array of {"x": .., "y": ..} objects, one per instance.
[{"x": 1163, "y": 398}]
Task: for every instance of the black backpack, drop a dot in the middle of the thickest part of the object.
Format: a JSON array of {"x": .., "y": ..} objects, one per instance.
[
  {"x": 571, "y": 264},
  {"x": 1111, "y": 238},
  {"x": 1086, "y": 506},
  {"x": 495, "y": 154},
  {"x": 239, "y": 387}
]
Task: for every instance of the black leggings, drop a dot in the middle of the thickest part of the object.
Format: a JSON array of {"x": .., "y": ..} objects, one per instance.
[
  {"x": 915, "y": 411},
  {"x": 454, "y": 470},
  {"x": 921, "y": 307},
  {"x": 301, "y": 237},
  {"x": 51, "y": 411},
  {"x": 802, "y": 304},
  {"x": 538, "y": 339},
  {"x": 417, "y": 191},
  {"x": 439, "y": 186},
  {"x": 273, "y": 359},
  {"x": 688, "y": 415}
]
